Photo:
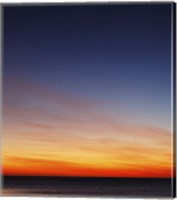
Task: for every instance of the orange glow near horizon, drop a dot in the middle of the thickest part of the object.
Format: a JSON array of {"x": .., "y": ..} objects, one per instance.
[
  {"x": 101, "y": 157},
  {"x": 58, "y": 142},
  {"x": 54, "y": 168}
]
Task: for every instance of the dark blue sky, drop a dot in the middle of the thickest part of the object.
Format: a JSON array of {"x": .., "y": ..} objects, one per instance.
[{"x": 119, "y": 55}]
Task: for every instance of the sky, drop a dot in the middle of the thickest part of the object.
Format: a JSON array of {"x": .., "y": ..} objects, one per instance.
[{"x": 87, "y": 90}]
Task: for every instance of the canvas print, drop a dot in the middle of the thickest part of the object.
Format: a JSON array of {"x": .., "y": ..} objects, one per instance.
[{"x": 88, "y": 100}]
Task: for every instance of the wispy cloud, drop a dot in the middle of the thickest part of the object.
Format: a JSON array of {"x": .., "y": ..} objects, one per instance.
[
  {"x": 51, "y": 127},
  {"x": 25, "y": 91}
]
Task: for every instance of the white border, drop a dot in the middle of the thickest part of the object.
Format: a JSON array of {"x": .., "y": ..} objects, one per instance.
[{"x": 74, "y": 1}]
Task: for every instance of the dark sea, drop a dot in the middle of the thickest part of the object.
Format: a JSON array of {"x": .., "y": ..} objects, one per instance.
[{"x": 88, "y": 187}]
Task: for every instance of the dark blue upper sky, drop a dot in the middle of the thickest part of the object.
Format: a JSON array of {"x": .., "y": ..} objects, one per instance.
[{"x": 118, "y": 54}]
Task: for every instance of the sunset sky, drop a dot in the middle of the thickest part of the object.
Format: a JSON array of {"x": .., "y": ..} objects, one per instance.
[{"x": 87, "y": 90}]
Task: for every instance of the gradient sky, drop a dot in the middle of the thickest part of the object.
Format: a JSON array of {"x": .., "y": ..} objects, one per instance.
[{"x": 87, "y": 90}]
